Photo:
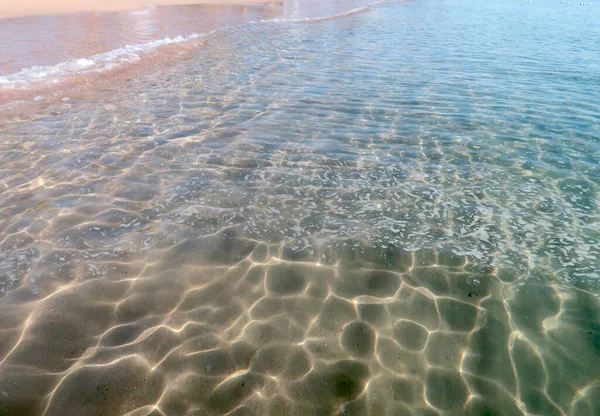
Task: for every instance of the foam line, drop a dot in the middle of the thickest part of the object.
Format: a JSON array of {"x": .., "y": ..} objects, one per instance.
[{"x": 96, "y": 63}]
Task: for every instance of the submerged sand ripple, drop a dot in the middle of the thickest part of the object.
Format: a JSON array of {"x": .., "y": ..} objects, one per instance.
[{"x": 273, "y": 337}]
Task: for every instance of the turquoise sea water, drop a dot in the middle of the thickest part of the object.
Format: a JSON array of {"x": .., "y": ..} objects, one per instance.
[{"x": 392, "y": 212}]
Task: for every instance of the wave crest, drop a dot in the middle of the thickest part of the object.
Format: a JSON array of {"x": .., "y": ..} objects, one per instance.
[{"x": 356, "y": 10}]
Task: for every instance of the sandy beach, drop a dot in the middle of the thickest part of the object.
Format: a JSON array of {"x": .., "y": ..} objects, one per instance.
[{"x": 41, "y": 7}]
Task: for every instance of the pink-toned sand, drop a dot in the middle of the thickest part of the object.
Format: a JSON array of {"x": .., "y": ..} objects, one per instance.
[{"x": 9, "y": 8}]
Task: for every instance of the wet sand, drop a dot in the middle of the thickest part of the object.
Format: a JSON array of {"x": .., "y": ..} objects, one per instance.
[
  {"x": 83, "y": 52},
  {"x": 41, "y": 7},
  {"x": 74, "y": 36}
]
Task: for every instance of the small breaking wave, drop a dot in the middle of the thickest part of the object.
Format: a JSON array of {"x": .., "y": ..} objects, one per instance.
[
  {"x": 356, "y": 10},
  {"x": 351, "y": 12},
  {"x": 94, "y": 64}
]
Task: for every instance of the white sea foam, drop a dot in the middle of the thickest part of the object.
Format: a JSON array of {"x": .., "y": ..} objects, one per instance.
[{"x": 96, "y": 63}]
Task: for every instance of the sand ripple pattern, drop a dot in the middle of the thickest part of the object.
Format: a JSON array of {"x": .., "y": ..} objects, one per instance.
[{"x": 289, "y": 223}]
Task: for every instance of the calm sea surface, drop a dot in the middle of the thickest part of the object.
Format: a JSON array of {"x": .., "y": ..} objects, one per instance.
[{"x": 390, "y": 212}]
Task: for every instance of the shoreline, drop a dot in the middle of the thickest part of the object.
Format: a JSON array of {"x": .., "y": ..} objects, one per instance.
[
  {"x": 28, "y": 8},
  {"x": 99, "y": 48}
]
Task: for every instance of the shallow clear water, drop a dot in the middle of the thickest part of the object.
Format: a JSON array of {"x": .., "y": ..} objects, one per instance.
[{"x": 390, "y": 213}]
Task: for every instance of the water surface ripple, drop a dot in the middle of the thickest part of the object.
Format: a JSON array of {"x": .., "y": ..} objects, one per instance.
[{"x": 391, "y": 213}]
